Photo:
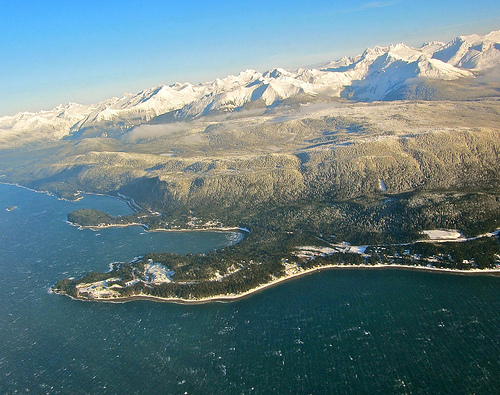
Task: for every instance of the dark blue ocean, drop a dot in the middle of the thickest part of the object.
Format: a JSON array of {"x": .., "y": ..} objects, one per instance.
[{"x": 341, "y": 331}]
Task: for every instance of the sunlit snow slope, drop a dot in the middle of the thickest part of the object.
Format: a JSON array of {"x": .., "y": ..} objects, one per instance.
[{"x": 377, "y": 74}]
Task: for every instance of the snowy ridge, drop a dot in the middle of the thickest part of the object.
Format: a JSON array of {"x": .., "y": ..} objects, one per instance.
[
  {"x": 43, "y": 125},
  {"x": 472, "y": 52},
  {"x": 374, "y": 75}
]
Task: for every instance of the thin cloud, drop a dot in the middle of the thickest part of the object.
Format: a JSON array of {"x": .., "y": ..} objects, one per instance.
[
  {"x": 153, "y": 131},
  {"x": 378, "y": 4},
  {"x": 373, "y": 4}
]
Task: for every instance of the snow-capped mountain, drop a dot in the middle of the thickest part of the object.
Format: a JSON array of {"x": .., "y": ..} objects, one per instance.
[
  {"x": 376, "y": 74},
  {"x": 43, "y": 125},
  {"x": 471, "y": 52}
]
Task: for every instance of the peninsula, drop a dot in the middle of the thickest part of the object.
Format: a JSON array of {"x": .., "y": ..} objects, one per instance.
[
  {"x": 240, "y": 270},
  {"x": 383, "y": 150}
]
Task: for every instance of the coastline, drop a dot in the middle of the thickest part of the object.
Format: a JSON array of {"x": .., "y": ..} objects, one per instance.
[
  {"x": 214, "y": 229},
  {"x": 29, "y": 189},
  {"x": 233, "y": 297},
  {"x": 227, "y": 298},
  {"x": 122, "y": 198},
  {"x": 134, "y": 206},
  {"x": 96, "y": 228}
]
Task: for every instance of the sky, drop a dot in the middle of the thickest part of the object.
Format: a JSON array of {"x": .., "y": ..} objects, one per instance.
[{"x": 55, "y": 52}]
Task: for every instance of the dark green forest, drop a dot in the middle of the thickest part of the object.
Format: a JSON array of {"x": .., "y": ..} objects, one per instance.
[{"x": 390, "y": 225}]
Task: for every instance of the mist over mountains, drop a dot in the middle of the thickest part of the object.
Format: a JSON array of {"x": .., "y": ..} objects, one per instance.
[{"x": 465, "y": 68}]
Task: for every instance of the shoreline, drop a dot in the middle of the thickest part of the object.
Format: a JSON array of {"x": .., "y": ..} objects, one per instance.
[
  {"x": 224, "y": 298},
  {"x": 80, "y": 194},
  {"x": 134, "y": 206},
  {"x": 143, "y": 226},
  {"x": 232, "y": 298}
]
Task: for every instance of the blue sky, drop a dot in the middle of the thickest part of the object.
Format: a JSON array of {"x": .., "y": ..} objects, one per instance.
[{"x": 54, "y": 52}]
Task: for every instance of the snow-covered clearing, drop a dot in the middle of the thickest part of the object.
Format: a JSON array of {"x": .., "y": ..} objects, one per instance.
[
  {"x": 443, "y": 234},
  {"x": 156, "y": 273}
]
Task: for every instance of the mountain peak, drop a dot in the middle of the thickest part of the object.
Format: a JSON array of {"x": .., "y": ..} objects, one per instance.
[{"x": 374, "y": 75}]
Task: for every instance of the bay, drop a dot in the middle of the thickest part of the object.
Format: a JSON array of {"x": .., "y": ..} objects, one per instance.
[{"x": 337, "y": 331}]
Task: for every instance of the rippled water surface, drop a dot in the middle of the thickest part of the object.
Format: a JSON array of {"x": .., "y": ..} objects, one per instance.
[{"x": 338, "y": 331}]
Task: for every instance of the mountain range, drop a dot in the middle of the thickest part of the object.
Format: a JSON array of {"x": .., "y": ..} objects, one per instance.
[{"x": 392, "y": 72}]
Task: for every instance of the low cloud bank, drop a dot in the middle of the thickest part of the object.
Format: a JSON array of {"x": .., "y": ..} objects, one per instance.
[{"x": 152, "y": 131}]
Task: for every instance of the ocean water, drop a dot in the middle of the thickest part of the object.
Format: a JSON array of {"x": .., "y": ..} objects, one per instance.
[{"x": 341, "y": 331}]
